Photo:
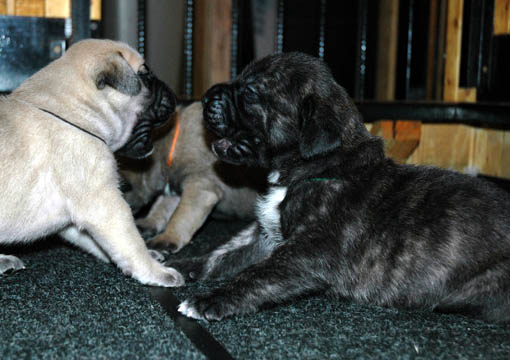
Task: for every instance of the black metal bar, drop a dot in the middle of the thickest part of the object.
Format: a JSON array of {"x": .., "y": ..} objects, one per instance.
[
  {"x": 142, "y": 32},
  {"x": 485, "y": 50},
  {"x": 234, "y": 54},
  {"x": 409, "y": 49},
  {"x": 80, "y": 15},
  {"x": 279, "y": 26},
  {"x": 491, "y": 115},
  {"x": 188, "y": 49},
  {"x": 322, "y": 29},
  {"x": 361, "y": 58}
]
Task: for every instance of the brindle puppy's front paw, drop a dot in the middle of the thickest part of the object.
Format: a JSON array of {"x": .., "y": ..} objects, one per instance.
[
  {"x": 209, "y": 307},
  {"x": 9, "y": 263},
  {"x": 190, "y": 268}
]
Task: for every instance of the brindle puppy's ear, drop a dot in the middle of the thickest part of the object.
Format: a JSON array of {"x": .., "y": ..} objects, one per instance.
[
  {"x": 117, "y": 74},
  {"x": 319, "y": 134}
]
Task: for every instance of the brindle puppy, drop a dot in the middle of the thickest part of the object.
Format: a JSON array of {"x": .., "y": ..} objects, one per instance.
[{"x": 340, "y": 217}]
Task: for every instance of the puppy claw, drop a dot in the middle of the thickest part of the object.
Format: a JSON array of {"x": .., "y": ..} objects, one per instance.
[
  {"x": 209, "y": 308},
  {"x": 159, "y": 255},
  {"x": 186, "y": 309},
  {"x": 9, "y": 263}
]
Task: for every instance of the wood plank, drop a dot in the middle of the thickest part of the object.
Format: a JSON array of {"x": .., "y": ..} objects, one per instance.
[
  {"x": 490, "y": 148},
  {"x": 383, "y": 128},
  {"x": 431, "y": 49},
  {"x": 465, "y": 149},
  {"x": 466, "y": 94},
  {"x": 453, "y": 44},
  {"x": 11, "y": 7},
  {"x": 407, "y": 130},
  {"x": 58, "y": 8},
  {"x": 212, "y": 44},
  {"x": 505, "y": 154},
  {"x": 501, "y": 17},
  {"x": 444, "y": 145},
  {"x": 62, "y": 9},
  {"x": 387, "y": 50},
  {"x": 401, "y": 138},
  {"x": 29, "y": 8},
  {"x": 95, "y": 10},
  {"x": 3, "y": 7}
]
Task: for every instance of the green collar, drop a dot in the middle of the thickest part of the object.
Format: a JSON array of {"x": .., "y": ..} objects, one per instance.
[{"x": 321, "y": 179}]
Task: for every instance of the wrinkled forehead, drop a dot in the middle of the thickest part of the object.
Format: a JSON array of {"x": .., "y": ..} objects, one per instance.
[
  {"x": 134, "y": 59},
  {"x": 260, "y": 72},
  {"x": 104, "y": 49},
  {"x": 278, "y": 73}
]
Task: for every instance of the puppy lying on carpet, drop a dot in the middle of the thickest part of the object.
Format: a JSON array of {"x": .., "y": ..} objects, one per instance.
[
  {"x": 339, "y": 217},
  {"x": 58, "y": 134},
  {"x": 188, "y": 183}
]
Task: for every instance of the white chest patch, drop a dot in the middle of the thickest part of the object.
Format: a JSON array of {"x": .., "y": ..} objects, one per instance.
[{"x": 267, "y": 209}]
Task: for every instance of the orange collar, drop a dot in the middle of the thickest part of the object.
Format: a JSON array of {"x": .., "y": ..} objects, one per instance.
[{"x": 174, "y": 140}]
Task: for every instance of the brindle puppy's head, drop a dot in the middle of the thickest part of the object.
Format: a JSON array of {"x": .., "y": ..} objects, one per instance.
[{"x": 283, "y": 108}]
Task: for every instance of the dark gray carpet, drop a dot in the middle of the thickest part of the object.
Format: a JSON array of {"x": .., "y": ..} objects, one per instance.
[{"x": 68, "y": 305}]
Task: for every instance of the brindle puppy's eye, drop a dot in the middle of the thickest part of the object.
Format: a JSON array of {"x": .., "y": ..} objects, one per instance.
[{"x": 250, "y": 94}]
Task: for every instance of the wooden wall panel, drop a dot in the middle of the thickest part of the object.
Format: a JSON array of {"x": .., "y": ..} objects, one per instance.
[
  {"x": 58, "y": 8},
  {"x": 387, "y": 39},
  {"x": 501, "y": 17},
  {"x": 22, "y": 7},
  {"x": 95, "y": 9},
  {"x": 444, "y": 145},
  {"x": 491, "y": 151},
  {"x": 451, "y": 90},
  {"x": 212, "y": 44},
  {"x": 45, "y": 8},
  {"x": 460, "y": 147}
]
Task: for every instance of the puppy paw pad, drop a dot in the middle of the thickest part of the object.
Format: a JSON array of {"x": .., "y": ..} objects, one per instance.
[{"x": 173, "y": 278}]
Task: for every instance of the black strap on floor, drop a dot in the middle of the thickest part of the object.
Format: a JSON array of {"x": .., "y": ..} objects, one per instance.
[{"x": 191, "y": 328}]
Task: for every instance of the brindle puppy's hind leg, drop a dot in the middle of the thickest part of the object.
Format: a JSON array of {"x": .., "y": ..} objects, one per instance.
[{"x": 283, "y": 276}]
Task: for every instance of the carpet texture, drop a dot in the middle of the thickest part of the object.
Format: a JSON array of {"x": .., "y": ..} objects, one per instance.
[{"x": 66, "y": 304}]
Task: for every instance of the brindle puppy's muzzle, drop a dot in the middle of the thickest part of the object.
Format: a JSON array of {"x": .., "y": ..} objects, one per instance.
[{"x": 160, "y": 106}]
